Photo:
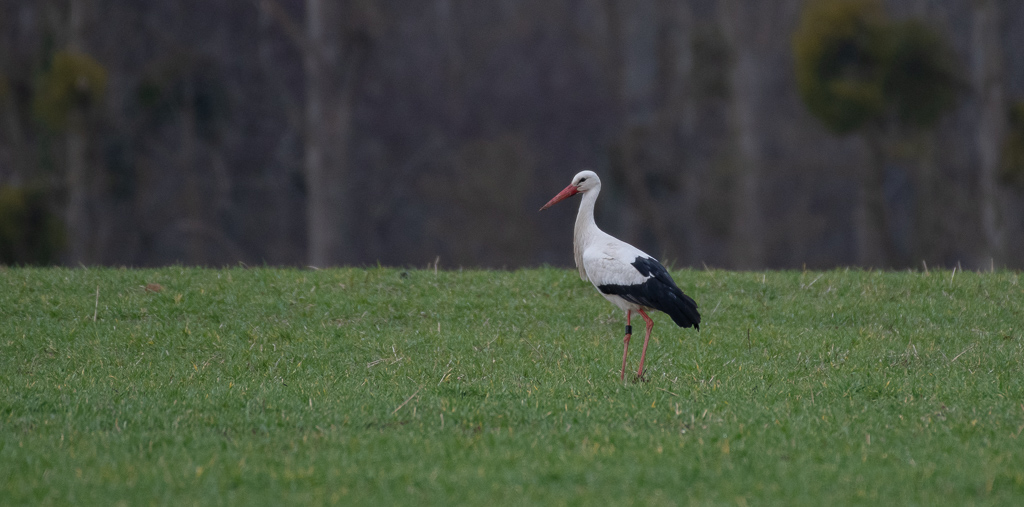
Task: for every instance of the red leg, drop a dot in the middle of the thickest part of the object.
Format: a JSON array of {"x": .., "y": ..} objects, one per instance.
[
  {"x": 643, "y": 354},
  {"x": 625, "y": 349}
]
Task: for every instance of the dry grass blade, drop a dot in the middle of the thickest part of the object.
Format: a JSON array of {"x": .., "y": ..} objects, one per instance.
[
  {"x": 962, "y": 353},
  {"x": 411, "y": 396},
  {"x": 445, "y": 375}
]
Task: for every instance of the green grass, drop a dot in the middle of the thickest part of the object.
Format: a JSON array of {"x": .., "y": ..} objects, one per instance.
[{"x": 385, "y": 386}]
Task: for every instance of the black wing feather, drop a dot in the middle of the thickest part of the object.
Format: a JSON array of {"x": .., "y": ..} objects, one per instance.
[{"x": 659, "y": 291}]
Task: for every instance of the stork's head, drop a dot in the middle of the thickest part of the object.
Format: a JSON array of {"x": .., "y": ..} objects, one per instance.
[{"x": 583, "y": 181}]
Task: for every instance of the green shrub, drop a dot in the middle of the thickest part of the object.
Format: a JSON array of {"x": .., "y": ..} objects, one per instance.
[
  {"x": 29, "y": 232},
  {"x": 839, "y": 52},
  {"x": 73, "y": 81},
  {"x": 854, "y": 66}
]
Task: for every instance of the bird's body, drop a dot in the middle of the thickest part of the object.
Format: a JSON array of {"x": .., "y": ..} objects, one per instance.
[{"x": 626, "y": 276}]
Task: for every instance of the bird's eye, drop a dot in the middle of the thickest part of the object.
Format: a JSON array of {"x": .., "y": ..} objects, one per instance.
[{"x": 582, "y": 180}]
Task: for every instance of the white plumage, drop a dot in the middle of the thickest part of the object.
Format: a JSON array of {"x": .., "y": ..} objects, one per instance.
[{"x": 626, "y": 276}]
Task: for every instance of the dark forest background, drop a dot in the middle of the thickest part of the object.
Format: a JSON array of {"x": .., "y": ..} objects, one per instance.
[{"x": 729, "y": 133}]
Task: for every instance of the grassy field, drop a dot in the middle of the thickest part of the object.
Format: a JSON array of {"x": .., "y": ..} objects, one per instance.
[{"x": 387, "y": 386}]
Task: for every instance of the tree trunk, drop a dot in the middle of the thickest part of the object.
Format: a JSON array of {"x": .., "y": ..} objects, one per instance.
[
  {"x": 321, "y": 220},
  {"x": 631, "y": 157},
  {"x": 679, "y": 118},
  {"x": 76, "y": 154},
  {"x": 333, "y": 54},
  {"x": 332, "y": 61},
  {"x": 77, "y": 188},
  {"x": 874, "y": 238},
  {"x": 926, "y": 225},
  {"x": 989, "y": 84},
  {"x": 745, "y": 78},
  {"x": 192, "y": 195},
  {"x": 280, "y": 245}
]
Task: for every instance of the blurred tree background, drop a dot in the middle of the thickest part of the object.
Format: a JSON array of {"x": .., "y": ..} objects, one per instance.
[{"x": 775, "y": 134}]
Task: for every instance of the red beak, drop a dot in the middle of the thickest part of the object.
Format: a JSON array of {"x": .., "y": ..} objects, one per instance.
[{"x": 569, "y": 191}]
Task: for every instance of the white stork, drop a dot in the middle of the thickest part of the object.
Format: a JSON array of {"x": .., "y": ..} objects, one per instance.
[{"x": 624, "y": 275}]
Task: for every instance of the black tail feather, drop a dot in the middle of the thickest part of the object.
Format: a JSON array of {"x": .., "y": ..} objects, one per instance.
[{"x": 683, "y": 310}]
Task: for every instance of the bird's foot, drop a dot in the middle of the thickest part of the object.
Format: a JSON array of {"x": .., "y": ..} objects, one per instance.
[{"x": 641, "y": 378}]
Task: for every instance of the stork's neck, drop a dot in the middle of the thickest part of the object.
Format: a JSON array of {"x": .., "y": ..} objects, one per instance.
[
  {"x": 585, "y": 225},
  {"x": 585, "y": 229}
]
